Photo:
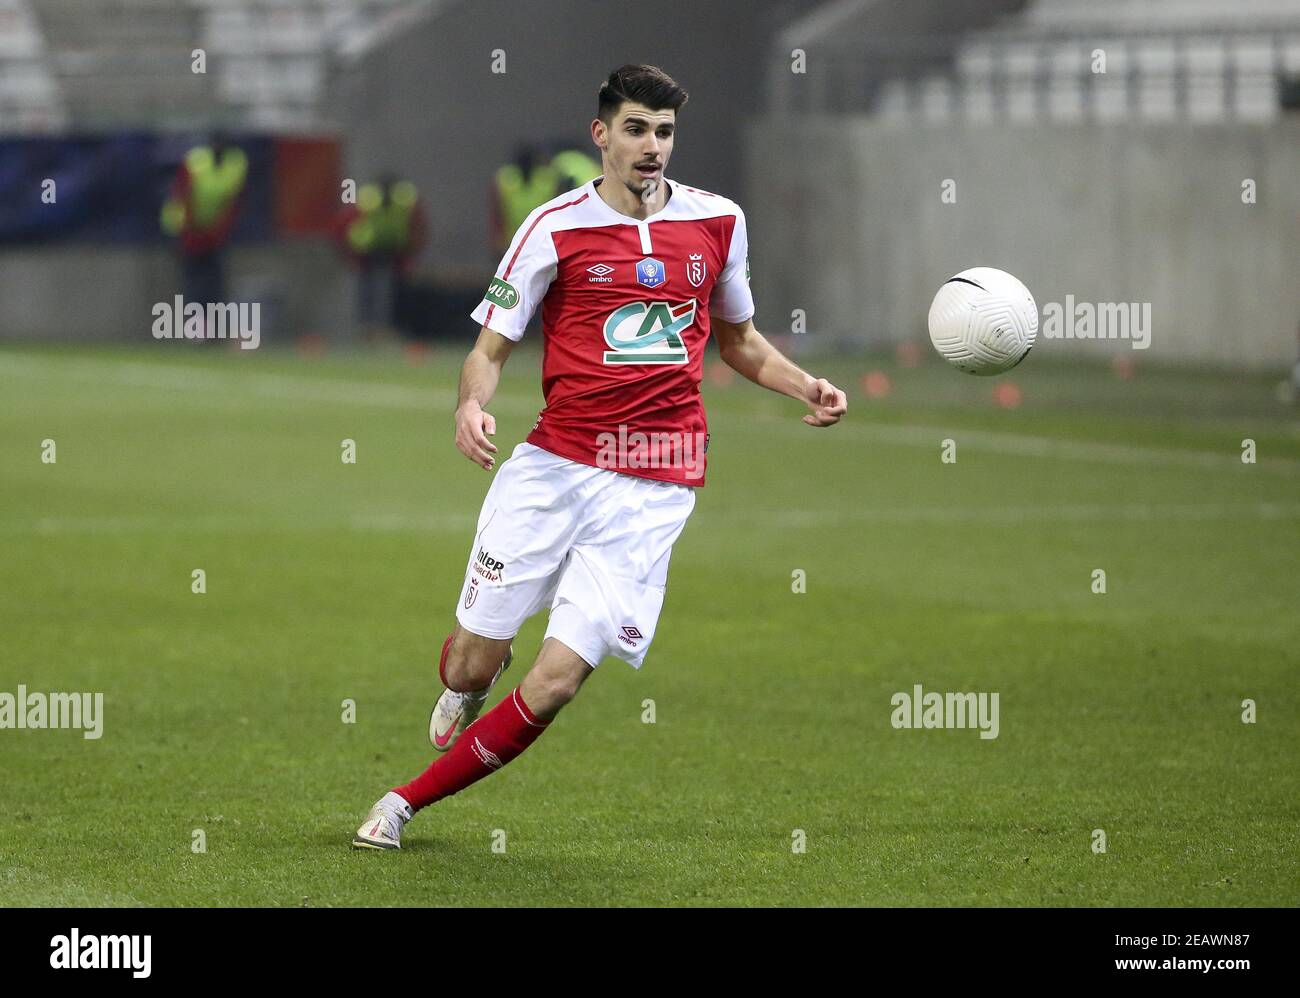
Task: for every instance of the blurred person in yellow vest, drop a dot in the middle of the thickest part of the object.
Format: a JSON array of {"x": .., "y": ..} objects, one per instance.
[
  {"x": 532, "y": 179},
  {"x": 575, "y": 168},
  {"x": 201, "y": 211},
  {"x": 517, "y": 188},
  {"x": 382, "y": 234}
]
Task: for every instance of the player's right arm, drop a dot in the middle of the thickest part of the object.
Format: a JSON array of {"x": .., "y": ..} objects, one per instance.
[
  {"x": 478, "y": 383},
  {"x": 520, "y": 284}
]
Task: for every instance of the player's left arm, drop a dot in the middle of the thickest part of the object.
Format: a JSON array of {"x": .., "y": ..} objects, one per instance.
[{"x": 747, "y": 351}]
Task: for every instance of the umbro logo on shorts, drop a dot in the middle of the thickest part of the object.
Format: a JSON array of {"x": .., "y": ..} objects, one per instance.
[{"x": 629, "y": 635}]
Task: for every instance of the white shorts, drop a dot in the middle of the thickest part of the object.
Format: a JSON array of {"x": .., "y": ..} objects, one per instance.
[{"x": 592, "y": 543}]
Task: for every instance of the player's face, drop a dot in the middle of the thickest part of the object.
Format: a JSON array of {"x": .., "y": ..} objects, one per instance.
[{"x": 637, "y": 145}]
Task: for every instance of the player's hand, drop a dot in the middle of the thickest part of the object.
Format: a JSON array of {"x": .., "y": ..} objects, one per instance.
[
  {"x": 826, "y": 401},
  {"x": 473, "y": 427}
]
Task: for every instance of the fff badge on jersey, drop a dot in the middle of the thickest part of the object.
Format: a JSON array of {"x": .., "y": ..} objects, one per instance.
[{"x": 650, "y": 272}]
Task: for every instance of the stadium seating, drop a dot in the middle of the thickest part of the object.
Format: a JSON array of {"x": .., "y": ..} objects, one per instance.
[{"x": 1194, "y": 60}]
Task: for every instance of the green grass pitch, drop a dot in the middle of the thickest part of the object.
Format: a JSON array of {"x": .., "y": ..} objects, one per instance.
[{"x": 327, "y": 582}]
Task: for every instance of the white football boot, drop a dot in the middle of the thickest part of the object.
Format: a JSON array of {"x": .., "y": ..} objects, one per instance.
[
  {"x": 454, "y": 712},
  {"x": 382, "y": 828}
]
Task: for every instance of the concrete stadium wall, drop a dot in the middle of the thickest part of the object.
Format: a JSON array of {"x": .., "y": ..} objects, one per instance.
[
  {"x": 846, "y": 222},
  {"x": 94, "y": 293}
]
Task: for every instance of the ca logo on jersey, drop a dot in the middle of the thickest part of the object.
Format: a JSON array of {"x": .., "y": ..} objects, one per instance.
[{"x": 648, "y": 333}]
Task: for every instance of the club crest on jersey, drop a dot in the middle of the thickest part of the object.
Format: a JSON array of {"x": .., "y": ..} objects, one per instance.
[
  {"x": 650, "y": 272},
  {"x": 696, "y": 270},
  {"x": 648, "y": 333}
]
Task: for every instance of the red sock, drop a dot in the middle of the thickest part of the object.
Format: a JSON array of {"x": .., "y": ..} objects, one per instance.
[
  {"x": 442, "y": 662},
  {"x": 484, "y": 747}
]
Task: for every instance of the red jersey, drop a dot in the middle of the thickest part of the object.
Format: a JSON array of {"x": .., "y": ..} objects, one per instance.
[{"x": 625, "y": 317}]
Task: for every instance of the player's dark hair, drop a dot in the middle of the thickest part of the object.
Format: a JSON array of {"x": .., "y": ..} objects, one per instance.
[{"x": 646, "y": 85}]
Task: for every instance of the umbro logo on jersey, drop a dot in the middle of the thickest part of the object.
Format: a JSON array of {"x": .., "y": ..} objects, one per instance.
[
  {"x": 696, "y": 269},
  {"x": 601, "y": 272}
]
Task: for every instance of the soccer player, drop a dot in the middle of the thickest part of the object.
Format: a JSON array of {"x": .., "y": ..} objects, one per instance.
[{"x": 632, "y": 272}]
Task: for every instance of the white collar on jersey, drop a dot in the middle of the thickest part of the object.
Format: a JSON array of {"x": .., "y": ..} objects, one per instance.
[{"x": 628, "y": 219}]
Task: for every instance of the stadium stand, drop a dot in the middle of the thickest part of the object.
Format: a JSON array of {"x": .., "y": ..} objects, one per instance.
[{"x": 1058, "y": 60}]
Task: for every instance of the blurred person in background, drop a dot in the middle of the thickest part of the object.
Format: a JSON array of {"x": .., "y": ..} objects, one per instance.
[
  {"x": 517, "y": 188},
  {"x": 382, "y": 234},
  {"x": 200, "y": 213},
  {"x": 1295, "y": 371},
  {"x": 574, "y": 167},
  {"x": 530, "y": 179}
]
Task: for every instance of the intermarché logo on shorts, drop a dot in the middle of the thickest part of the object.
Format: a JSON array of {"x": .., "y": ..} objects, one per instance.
[{"x": 638, "y": 451}]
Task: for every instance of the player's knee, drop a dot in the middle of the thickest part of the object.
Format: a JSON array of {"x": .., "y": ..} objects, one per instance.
[
  {"x": 546, "y": 697},
  {"x": 547, "y": 688},
  {"x": 559, "y": 689}
]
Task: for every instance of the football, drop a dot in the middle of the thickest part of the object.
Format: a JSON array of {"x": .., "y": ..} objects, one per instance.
[{"x": 983, "y": 321}]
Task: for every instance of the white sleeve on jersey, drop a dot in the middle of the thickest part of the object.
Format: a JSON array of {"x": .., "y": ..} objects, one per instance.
[
  {"x": 521, "y": 280},
  {"x": 731, "y": 299}
]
